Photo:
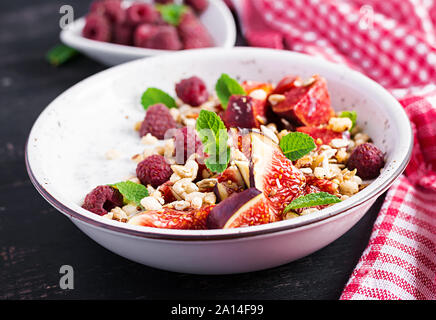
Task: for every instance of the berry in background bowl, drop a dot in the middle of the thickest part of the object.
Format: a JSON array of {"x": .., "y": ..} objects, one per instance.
[
  {"x": 117, "y": 31},
  {"x": 86, "y": 139}
]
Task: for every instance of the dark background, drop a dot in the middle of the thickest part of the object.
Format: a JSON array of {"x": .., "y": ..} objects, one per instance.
[{"x": 35, "y": 239}]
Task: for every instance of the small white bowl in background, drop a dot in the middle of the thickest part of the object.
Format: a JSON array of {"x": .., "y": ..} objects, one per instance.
[
  {"x": 217, "y": 19},
  {"x": 65, "y": 157}
]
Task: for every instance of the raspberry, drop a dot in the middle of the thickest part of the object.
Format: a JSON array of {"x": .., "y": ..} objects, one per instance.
[
  {"x": 192, "y": 91},
  {"x": 123, "y": 34},
  {"x": 157, "y": 121},
  {"x": 143, "y": 33},
  {"x": 154, "y": 170},
  {"x": 97, "y": 28},
  {"x": 193, "y": 33},
  {"x": 198, "y": 5},
  {"x": 367, "y": 159},
  {"x": 186, "y": 142},
  {"x": 139, "y": 13},
  {"x": 111, "y": 9},
  {"x": 165, "y": 38},
  {"x": 102, "y": 199}
]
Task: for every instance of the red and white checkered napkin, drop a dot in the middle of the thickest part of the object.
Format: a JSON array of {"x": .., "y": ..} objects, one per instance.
[{"x": 394, "y": 43}]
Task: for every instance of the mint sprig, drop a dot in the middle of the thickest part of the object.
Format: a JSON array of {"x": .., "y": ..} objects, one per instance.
[
  {"x": 152, "y": 96},
  {"x": 296, "y": 144},
  {"x": 312, "y": 200},
  {"x": 171, "y": 13},
  {"x": 349, "y": 114},
  {"x": 226, "y": 87},
  {"x": 214, "y": 136},
  {"x": 131, "y": 191}
]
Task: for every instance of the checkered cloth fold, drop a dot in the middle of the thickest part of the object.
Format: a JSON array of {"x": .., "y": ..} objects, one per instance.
[{"x": 394, "y": 43}]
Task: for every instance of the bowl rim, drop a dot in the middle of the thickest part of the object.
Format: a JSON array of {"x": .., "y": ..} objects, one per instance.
[
  {"x": 201, "y": 235},
  {"x": 69, "y": 37}
]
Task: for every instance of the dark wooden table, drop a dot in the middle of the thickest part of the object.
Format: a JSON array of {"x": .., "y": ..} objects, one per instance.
[{"x": 35, "y": 239}]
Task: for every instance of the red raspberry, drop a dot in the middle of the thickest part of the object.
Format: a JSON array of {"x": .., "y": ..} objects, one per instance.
[
  {"x": 123, "y": 34},
  {"x": 157, "y": 121},
  {"x": 97, "y": 28},
  {"x": 198, "y": 5},
  {"x": 139, "y": 13},
  {"x": 192, "y": 91},
  {"x": 166, "y": 38},
  {"x": 193, "y": 33},
  {"x": 186, "y": 142},
  {"x": 143, "y": 33},
  {"x": 102, "y": 199},
  {"x": 154, "y": 170},
  {"x": 111, "y": 9},
  {"x": 367, "y": 159}
]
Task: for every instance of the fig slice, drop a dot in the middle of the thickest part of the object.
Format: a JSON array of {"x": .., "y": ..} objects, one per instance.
[
  {"x": 274, "y": 174},
  {"x": 247, "y": 208},
  {"x": 307, "y": 104},
  {"x": 229, "y": 181},
  {"x": 173, "y": 219},
  {"x": 244, "y": 170}
]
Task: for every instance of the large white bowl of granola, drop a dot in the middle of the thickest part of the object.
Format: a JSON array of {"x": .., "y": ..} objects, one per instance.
[{"x": 219, "y": 161}]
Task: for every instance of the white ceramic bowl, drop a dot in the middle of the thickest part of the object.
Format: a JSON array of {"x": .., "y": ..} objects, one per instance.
[
  {"x": 66, "y": 147},
  {"x": 217, "y": 19}
]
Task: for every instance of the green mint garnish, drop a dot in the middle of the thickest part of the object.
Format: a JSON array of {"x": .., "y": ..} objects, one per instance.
[
  {"x": 311, "y": 200},
  {"x": 213, "y": 135},
  {"x": 349, "y": 114},
  {"x": 226, "y": 87},
  {"x": 171, "y": 13},
  {"x": 152, "y": 96},
  {"x": 60, "y": 54},
  {"x": 132, "y": 192},
  {"x": 296, "y": 144}
]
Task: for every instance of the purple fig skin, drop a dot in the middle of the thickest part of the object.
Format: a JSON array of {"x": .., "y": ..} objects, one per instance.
[{"x": 219, "y": 215}]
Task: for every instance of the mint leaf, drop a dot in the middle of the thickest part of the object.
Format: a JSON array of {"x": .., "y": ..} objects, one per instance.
[
  {"x": 213, "y": 135},
  {"x": 152, "y": 96},
  {"x": 132, "y": 192},
  {"x": 226, "y": 87},
  {"x": 311, "y": 200},
  {"x": 171, "y": 13},
  {"x": 296, "y": 144},
  {"x": 349, "y": 114},
  {"x": 60, "y": 54}
]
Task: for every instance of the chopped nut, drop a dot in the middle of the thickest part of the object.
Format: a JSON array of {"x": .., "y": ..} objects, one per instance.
[
  {"x": 112, "y": 154},
  {"x": 149, "y": 139},
  {"x": 305, "y": 161},
  {"x": 320, "y": 172},
  {"x": 308, "y": 210},
  {"x": 306, "y": 170},
  {"x": 175, "y": 113},
  {"x": 195, "y": 199},
  {"x": 119, "y": 214},
  {"x": 283, "y": 133},
  {"x": 348, "y": 187},
  {"x": 184, "y": 186},
  {"x": 179, "y": 205},
  {"x": 209, "y": 198},
  {"x": 258, "y": 94},
  {"x": 276, "y": 98},
  {"x": 130, "y": 209},
  {"x": 342, "y": 155},
  {"x": 361, "y": 138},
  {"x": 137, "y": 126},
  {"x": 175, "y": 177},
  {"x": 151, "y": 203},
  {"x": 189, "y": 170},
  {"x": 340, "y": 124},
  {"x": 269, "y": 133},
  {"x": 339, "y": 143},
  {"x": 206, "y": 184},
  {"x": 291, "y": 215}
]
